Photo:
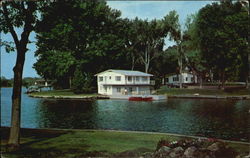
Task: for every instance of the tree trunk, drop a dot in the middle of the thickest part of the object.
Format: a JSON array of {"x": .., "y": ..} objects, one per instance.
[
  {"x": 133, "y": 62},
  {"x": 146, "y": 67},
  {"x": 201, "y": 82},
  {"x": 147, "y": 59},
  {"x": 14, "y": 138},
  {"x": 70, "y": 82},
  {"x": 223, "y": 79},
  {"x": 248, "y": 72}
]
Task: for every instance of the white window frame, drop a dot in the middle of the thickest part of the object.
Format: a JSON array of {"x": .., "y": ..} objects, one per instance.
[
  {"x": 118, "y": 89},
  {"x": 118, "y": 78},
  {"x": 100, "y": 78},
  {"x": 137, "y": 78},
  {"x": 129, "y": 78},
  {"x": 144, "y": 79}
]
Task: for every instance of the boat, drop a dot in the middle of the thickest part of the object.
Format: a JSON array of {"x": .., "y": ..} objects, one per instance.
[
  {"x": 32, "y": 89},
  {"x": 140, "y": 98}
]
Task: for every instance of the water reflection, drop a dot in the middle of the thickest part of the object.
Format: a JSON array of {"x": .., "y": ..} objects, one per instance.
[{"x": 228, "y": 119}]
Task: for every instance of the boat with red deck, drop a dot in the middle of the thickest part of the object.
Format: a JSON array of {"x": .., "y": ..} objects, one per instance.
[{"x": 140, "y": 98}]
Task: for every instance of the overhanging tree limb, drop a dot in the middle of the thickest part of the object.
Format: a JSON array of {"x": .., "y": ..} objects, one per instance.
[{"x": 10, "y": 26}]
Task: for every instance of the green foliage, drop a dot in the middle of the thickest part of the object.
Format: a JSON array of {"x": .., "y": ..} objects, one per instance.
[
  {"x": 86, "y": 33},
  {"x": 6, "y": 82},
  {"x": 222, "y": 41},
  {"x": 82, "y": 82}
]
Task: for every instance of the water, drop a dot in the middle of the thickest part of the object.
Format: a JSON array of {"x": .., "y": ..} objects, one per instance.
[{"x": 226, "y": 119}]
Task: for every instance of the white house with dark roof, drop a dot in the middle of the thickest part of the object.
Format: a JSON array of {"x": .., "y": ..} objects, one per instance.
[{"x": 123, "y": 82}]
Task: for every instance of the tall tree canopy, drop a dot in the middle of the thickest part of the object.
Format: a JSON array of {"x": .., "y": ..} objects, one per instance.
[
  {"x": 223, "y": 32},
  {"x": 90, "y": 32},
  {"x": 85, "y": 34}
]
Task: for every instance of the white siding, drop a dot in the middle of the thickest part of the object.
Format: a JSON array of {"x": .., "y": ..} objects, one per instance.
[
  {"x": 109, "y": 84},
  {"x": 186, "y": 78}
]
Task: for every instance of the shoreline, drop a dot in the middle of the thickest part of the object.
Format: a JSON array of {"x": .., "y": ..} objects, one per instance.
[
  {"x": 87, "y": 97},
  {"x": 187, "y": 96},
  {"x": 59, "y": 130}
]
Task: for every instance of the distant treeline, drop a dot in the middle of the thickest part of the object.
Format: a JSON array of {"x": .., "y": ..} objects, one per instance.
[{"x": 27, "y": 81}]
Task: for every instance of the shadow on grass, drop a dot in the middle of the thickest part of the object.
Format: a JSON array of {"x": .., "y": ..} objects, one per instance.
[{"x": 46, "y": 144}]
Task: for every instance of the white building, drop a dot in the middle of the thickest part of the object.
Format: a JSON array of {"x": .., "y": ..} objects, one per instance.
[
  {"x": 186, "y": 78},
  {"x": 123, "y": 82}
]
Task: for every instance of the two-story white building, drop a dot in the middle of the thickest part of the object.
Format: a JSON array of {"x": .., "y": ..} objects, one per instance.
[
  {"x": 123, "y": 82},
  {"x": 185, "y": 76}
]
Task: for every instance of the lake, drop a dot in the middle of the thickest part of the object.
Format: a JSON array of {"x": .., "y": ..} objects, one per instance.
[{"x": 225, "y": 119}]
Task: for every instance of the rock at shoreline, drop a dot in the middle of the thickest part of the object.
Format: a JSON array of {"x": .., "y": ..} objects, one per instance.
[
  {"x": 190, "y": 152},
  {"x": 192, "y": 149}
]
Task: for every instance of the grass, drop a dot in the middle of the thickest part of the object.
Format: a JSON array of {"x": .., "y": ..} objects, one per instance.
[
  {"x": 226, "y": 92},
  {"x": 65, "y": 92},
  {"x": 79, "y": 143}
]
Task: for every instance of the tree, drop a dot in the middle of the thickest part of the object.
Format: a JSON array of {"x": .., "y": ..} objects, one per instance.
[
  {"x": 150, "y": 37},
  {"x": 192, "y": 55},
  {"x": 176, "y": 33},
  {"x": 165, "y": 63},
  {"x": 222, "y": 41},
  {"x": 17, "y": 15},
  {"x": 87, "y": 33}
]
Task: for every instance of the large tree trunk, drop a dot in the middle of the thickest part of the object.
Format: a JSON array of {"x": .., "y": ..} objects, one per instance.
[{"x": 14, "y": 138}]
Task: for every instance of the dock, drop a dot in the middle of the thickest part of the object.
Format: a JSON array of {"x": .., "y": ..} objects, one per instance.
[{"x": 126, "y": 97}]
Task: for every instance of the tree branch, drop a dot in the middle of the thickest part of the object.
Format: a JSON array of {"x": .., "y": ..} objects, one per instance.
[
  {"x": 28, "y": 22},
  {"x": 11, "y": 28}
]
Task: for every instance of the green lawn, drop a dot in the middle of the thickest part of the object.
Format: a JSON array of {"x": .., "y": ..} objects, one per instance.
[
  {"x": 65, "y": 92},
  {"x": 178, "y": 91},
  {"x": 78, "y": 143}
]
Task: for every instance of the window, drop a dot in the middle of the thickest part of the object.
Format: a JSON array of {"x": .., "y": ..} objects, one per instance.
[
  {"x": 137, "y": 78},
  {"x": 118, "y": 78},
  {"x": 105, "y": 88},
  {"x": 192, "y": 79},
  {"x": 166, "y": 79},
  {"x": 110, "y": 77},
  {"x": 130, "y": 89},
  {"x": 175, "y": 78},
  {"x": 144, "y": 79},
  {"x": 186, "y": 78},
  {"x": 130, "y": 78},
  {"x": 100, "y": 78},
  {"x": 118, "y": 89}
]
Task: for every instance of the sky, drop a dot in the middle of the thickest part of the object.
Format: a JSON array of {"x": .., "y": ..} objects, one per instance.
[{"x": 129, "y": 9}]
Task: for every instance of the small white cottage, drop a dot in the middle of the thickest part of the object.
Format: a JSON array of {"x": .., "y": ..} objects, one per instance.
[
  {"x": 176, "y": 78},
  {"x": 123, "y": 82}
]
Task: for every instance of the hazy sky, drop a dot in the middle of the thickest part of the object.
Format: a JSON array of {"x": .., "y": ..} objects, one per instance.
[{"x": 130, "y": 9}]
